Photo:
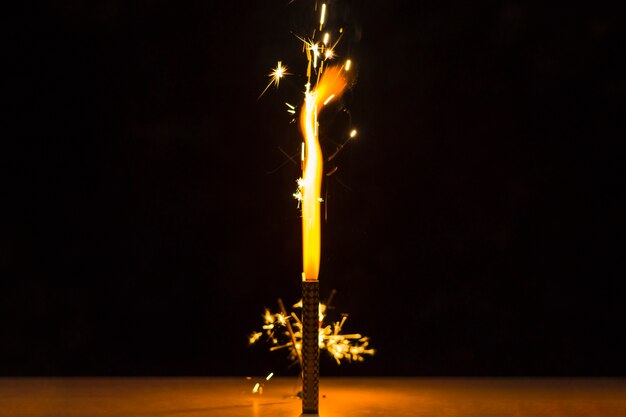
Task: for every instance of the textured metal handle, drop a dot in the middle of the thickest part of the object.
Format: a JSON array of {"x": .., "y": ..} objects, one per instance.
[{"x": 310, "y": 347}]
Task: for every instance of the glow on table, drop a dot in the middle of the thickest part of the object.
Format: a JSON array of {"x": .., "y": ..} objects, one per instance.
[{"x": 339, "y": 397}]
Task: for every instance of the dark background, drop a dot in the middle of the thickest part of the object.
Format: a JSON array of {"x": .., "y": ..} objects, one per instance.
[{"x": 475, "y": 227}]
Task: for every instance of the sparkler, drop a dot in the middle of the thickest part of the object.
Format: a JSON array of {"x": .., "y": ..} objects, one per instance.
[
  {"x": 324, "y": 84},
  {"x": 330, "y": 83}
]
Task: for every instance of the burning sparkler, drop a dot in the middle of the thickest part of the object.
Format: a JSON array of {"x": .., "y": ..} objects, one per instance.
[{"x": 324, "y": 85}]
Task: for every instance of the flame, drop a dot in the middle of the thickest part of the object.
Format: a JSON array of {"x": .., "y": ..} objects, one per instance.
[{"x": 330, "y": 85}]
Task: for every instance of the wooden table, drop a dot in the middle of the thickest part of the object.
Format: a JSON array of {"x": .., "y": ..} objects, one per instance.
[{"x": 339, "y": 397}]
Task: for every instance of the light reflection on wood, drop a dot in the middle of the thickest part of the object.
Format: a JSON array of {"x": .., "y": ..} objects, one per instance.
[{"x": 339, "y": 397}]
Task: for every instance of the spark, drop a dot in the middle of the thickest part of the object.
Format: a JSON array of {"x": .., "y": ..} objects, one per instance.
[
  {"x": 348, "y": 65},
  {"x": 314, "y": 50},
  {"x": 330, "y": 97},
  {"x": 258, "y": 387},
  {"x": 290, "y": 108},
  {"x": 330, "y": 50},
  {"x": 299, "y": 195},
  {"x": 278, "y": 73},
  {"x": 322, "y": 15},
  {"x": 316, "y": 53},
  {"x": 254, "y": 337},
  {"x": 341, "y": 347},
  {"x": 351, "y": 135},
  {"x": 275, "y": 75}
]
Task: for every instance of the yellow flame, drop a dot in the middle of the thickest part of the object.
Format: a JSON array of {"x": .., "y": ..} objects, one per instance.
[{"x": 332, "y": 82}]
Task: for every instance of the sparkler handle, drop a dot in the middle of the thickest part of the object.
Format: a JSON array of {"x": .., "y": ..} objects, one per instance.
[{"x": 310, "y": 347}]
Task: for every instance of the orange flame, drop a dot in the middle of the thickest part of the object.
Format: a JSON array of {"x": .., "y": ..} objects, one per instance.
[{"x": 331, "y": 84}]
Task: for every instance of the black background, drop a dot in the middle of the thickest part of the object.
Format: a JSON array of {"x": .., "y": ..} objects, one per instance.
[{"x": 475, "y": 227}]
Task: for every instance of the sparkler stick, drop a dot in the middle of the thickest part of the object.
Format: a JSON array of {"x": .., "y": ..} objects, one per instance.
[{"x": 310, "y": 346}]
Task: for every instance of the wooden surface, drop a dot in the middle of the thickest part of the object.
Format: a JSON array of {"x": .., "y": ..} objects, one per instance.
[{"x": 339, "y": 397}]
